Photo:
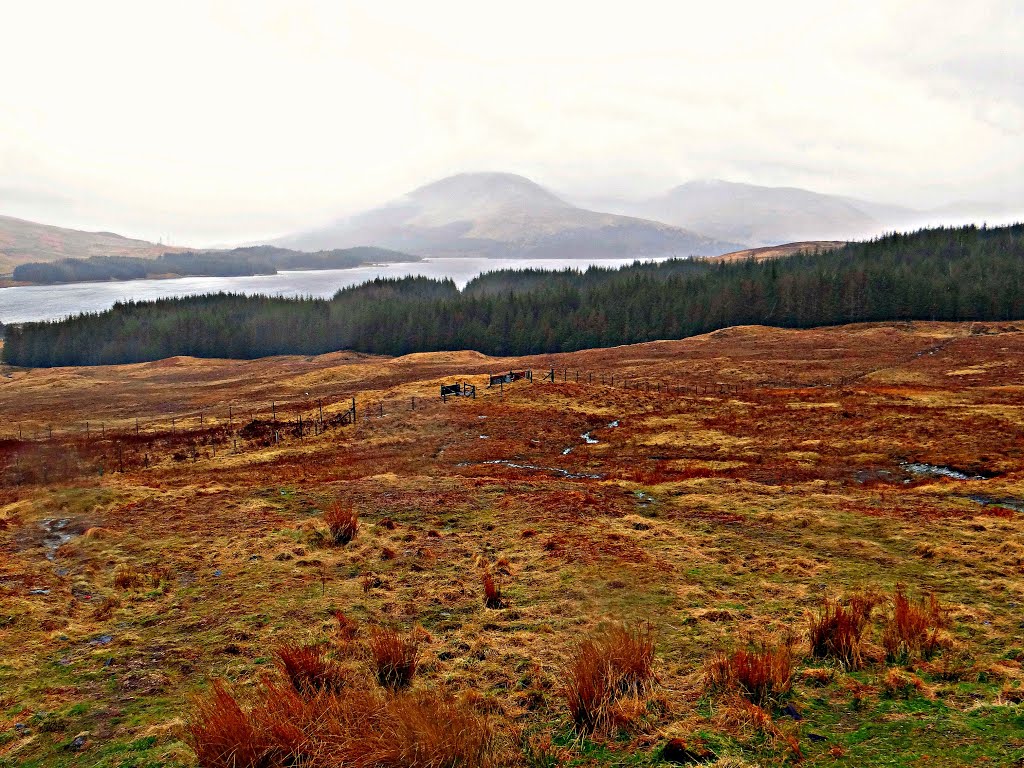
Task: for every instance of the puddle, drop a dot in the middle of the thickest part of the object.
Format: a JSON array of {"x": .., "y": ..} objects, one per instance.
[
  {"x": 1017, "y": 505},
  {"x": 567, "y": 451},
  {"x": 588, "y": 439},
  {"x": 613, "y": 424},
  {"x": 554, "y": 470},
  {"x": 55, "y": 535},
  {"x": 933, "y": 470},
  {"x": 102, "y": 640}
]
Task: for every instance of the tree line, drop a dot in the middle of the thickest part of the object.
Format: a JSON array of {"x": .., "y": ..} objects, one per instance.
[
  {"x": 965, "y": 273},
  {"x": 255, "y": 260}
]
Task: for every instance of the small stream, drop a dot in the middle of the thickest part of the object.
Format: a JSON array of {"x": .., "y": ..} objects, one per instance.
[
  {"x": 554, "y": 470},
  {"x": 1017, "y": 505},
  {"x": 934, "y": 470},
  {"x": 55, "y": 535}
]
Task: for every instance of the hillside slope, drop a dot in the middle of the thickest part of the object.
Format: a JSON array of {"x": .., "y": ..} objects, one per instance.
[
  {"x": 23, "y": 242},
  {"x": 779, "y": 251}
]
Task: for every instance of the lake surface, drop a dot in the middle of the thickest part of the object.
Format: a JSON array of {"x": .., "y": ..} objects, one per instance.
[{"x": 50, "y": 302}]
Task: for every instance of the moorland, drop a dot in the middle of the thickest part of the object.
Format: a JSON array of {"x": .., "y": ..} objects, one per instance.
[{"x": 755, "y": 546}]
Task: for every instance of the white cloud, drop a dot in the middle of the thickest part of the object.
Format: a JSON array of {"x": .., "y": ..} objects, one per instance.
[{"x": 231, "y": 121}]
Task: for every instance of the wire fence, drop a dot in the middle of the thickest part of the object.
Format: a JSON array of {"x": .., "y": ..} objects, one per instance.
[{"x": 242, "y": 425}]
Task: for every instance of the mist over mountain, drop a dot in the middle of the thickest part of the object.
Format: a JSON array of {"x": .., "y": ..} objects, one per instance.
[
  {"x": 503, "y": 215},
  {"x": 764, "y": 216}
]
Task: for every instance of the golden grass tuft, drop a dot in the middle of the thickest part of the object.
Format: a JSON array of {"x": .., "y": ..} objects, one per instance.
[
  {"x": 837, "y": 630},
  {"x": 395, "y": 658},
  {"x": 342, "y": 521},
  {"x": 276, "y": 727},
  {"x": 762, "y": 675},
  {"x": 609, "y": 667},
  {"x": 128, "y": 577},
  {"x": 914, "y": 628},
  {"x": 310, "y": 669},
  {"x": 492, "y": 591}
]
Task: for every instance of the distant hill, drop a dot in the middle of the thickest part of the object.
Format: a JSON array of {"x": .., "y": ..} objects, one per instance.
[
  {"x": 256, "y": 260},
  {"x": 759, "y": 216},
  {"x": 503, "y": 215},
  {"x": 779, "y": 251},
  {"x": 23, "y": 242}
]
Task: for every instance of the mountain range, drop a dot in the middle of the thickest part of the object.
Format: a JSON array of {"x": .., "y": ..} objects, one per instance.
[
  {"x": 759, "y": 216},
  {"x": 505, "y": 215}
]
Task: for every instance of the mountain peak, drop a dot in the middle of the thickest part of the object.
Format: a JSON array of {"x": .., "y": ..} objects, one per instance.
[
  {"x": 503, "y": 215},
  {"x": 484, "y": 192}
]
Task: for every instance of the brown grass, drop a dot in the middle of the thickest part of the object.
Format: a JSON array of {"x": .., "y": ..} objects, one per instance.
[
  {"x": 128, "y": 577},
  {"x": 310, "y": 669},
  {"x": 837, "y": 630},
  {"x": 914, "y": 627},
  {"x": 348, "y": 627},
  {"x": 222, "y": 733},
  {"x": 342, "y": 521},
  {"x": 606, "y": 668},
  {"x": 492, "y": 591},
  {"x": 395, "y": 659},
  {"x": 358, "y": 728},
  {"x": 763, "y": 675}
]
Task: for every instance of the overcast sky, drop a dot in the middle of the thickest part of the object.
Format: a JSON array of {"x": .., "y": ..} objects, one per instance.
[{"x": 205, "y": 122}]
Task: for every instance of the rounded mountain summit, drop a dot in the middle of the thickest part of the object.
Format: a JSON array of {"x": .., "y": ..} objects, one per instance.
[{"x": 502, "y": 215}]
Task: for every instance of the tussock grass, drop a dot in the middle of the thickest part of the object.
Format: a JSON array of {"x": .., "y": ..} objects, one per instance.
[
  {"x": 914, "y": 627},
  {"x": 492, "y": 591},
  {"x": 395, "y": 658},
  {"x": 128, "y": 577},
  {"x": 342, "y": 521},
  {"x": 310, "y": 669},
  {"x": 606, "y": 669},
  {"x": 763, "y": 675},
  {"x": 837, "y": 630},
  {"x": 276, "y": 727}
]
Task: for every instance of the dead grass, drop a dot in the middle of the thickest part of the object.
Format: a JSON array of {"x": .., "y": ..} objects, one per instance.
[
  {"x": 914, "y": 627},
  {"x": 128, "y": 577},
  {"x": 395, "y": 658},
  {"x": 762, "y": 675},
  {"x": 730, "y": 535},
  {"x": 837, "y": 630},
  {"x": 605, "y": 671},
  {"x": 310, "y": 669},
  {"x": 275, "y": 727},
  {"x": 343, "y": 522},
  {"x": 492, "y": 591}
]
